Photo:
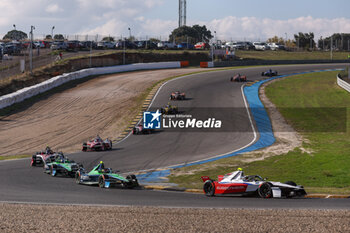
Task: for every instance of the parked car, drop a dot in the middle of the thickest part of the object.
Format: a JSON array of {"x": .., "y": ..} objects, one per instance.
[
  {"x": 128, "y": 44},
  {"x": 39, "y": 44},
  {"x": 244, "y": 45},
  {"x": 146, "y": 44},
  {"x": 73, "y": 45},
  {"x": 11, "y": 48},
  {"x": 230, "y": 45},
  {"x": 59, "y": 45},
  {"x": 202, "y": 45},
  {"x": 185, "y": 45},
  {"x": 261, "y": 46},
  {"x": 276, "y": 46},
  {"x": 87, "y": 45},
  {"x": 166, "y": 45}
]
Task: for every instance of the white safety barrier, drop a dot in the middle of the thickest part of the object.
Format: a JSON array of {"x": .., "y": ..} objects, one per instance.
[
  {"x": 343, "y": 84},
  {"x": 31, "y": 91}
]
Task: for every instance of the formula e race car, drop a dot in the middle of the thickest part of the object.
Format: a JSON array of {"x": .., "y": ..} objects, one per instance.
[
  {"x": 269, "y": 73},
  {"x": 169, "y": 109},
  {"x": 43, "y": 157},
  {"x": 177, "y": 95},
  {"x": 63, "y": 166},
  {"x": 238, "y": 78},
  {"x": 139, "y": 129},
  {"x": 237, "y": 183},
  {"x": 105, "y": 178},
  {"x": 97, "y": 144}
]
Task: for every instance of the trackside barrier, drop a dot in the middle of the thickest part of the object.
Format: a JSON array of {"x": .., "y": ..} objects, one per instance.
[
  {"x": 31, "y": 91},
  {"x": 343, "y": 84},
  {"x": 206, "y": 64},
  {"x": 184, "y": 63}
]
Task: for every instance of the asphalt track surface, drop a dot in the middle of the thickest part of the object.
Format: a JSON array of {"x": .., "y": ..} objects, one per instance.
[{"x": 22, "y": 183}]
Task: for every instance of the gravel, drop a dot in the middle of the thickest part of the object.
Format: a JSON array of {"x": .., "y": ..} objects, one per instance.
[{"x": 75, "y": 218}]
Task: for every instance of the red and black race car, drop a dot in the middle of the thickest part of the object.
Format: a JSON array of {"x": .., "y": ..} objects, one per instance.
[
  {"x": 238, "y": 78},
  {"x": 237, "y": 183},
  {"x": 97, "y": 144},
  {"x": 43, "y": 157},
  {"x": 139, "y": 129},
  {"x": 177, "y": 95}
]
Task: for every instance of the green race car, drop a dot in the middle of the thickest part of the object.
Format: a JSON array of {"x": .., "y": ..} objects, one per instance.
[
  {"x": 105, "y": 178},
  {"x": 63, "y": 166}
]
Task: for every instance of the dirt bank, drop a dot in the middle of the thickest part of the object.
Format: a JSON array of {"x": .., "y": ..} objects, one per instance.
[{"x": 102, "y": 105}]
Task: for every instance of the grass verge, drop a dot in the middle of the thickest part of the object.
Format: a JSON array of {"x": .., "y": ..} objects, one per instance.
[
  {"x": 319, "y": 110},
  {"x": 285, "y": 55}
]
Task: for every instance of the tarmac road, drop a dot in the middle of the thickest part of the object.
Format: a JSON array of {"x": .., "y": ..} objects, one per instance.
[{"x": 22, "y": 183}]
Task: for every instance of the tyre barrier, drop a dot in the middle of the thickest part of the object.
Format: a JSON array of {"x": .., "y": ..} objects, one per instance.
[{"x": 28, "y": 92}]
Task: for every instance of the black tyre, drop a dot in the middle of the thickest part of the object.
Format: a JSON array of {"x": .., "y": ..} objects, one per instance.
[
  {"x": 84, "y": 147},
  {"x": 77, "y": 177},
  {"x": 101, "y": 182},
  {"x": 291, "y": 183},
  {"x": 132, "y": 181},
  {"x": 33, "y": 163},
  {"x": 209, "y": 188},
  {"x": 265, "y": 190}
]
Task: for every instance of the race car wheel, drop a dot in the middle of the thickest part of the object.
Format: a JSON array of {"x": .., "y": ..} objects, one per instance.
[
  {"x": 209, "y": 188},
  {"x": 101, "y": 182},
  {"x": 265, "y": 190},
  {"x": 77, "y": 177},
  {"x": 291, "y": 183},
  {"x": 52, "y": 173},
  {"x": 84, "y": 147},
  {"x": 33, "y": 163},
  {"x": 132, "y": 181}
]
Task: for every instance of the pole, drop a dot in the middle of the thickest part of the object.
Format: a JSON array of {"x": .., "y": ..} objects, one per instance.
[
  {"x": 124, "y": 52},
  {"x": 53, "y": 27},
  {"x": 332, "y": 47},
  {"x": 90, "y": 53},
  {"x": 31, "y": 50}
]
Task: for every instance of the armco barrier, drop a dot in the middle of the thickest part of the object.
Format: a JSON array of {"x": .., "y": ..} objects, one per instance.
[
  {"x": 343, "y": 84},
  {"x": 31, "y": 91}
]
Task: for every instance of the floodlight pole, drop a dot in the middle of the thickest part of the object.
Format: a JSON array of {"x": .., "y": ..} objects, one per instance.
[{"x": 31, "y": 50}]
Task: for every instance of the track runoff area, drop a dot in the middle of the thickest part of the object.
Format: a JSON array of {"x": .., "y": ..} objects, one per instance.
[{"x": 207, "y": 92}]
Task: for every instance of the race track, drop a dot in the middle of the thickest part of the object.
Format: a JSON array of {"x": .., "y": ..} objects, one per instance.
[{"x": 22, "y": 183}]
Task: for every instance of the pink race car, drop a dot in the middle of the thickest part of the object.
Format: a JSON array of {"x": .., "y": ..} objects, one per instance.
[{"x": 97, "y": 144}]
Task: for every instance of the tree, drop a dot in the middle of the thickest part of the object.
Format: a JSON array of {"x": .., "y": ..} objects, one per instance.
[
  {"x": 58, "y": 37},
  {"x": 341, "y": 41},
  {"x": 192, "y": 34},
  {"x": 305, "y": 40},
  {"x": 276, "y": 39},
  {"x": 15, "y": 35},
  {"x": 48, "y": 37},
  {"x": 108, "y": 38}
]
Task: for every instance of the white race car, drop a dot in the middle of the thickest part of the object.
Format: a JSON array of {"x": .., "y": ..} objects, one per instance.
[{"x": 237, "y": 183}]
